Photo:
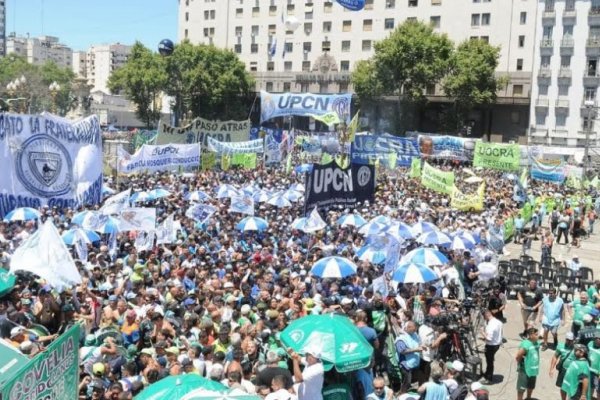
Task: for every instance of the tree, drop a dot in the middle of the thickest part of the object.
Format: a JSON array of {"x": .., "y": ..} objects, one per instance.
[
  {"x": 142, "y": 79},
  {"x": 471, "y": 81}
]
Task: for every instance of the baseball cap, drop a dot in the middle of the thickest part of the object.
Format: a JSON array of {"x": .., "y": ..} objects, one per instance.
[
  {"x": 173, "y": 350},
  {"x": 148, "y": 352},
  {"x": 189, "y": 302},
  {"x": 16, "y": 331},
  {"x": 569, "y": 336},
  {"x": 228, "y": 285},
  {"x": 98, "y": 369},
  {"x": 456, "y": 365}
]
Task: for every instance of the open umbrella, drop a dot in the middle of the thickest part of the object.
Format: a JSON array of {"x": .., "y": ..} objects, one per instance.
[
  {"x": 425, "y": 255},
  {"x": 262, "y": 196},
  {"x": 435, "y": 237},
  {"x": 226, "y": 190},
  {"x": 399, "y": 230},
  {"x": 292, "y": 195},
  {"x": 108, "y": 225},
  {"x": 234, "y": 394},
  {"x": 351, "y": 220},
  {"x": 487, "y": 271},
  {"x": 372, "y": 254},
  {"x": 333, "y": 267},
  {"x": 459, "y": 243},
  {"x": 299, "y": 223},
  {"x": 251, "y": 189},
  {"x": 86, "y": 219},
  {"x": 177, "y": 386},
  {"x": 7, "y": 281},
  {"x": 371, "y": 228},
  {"x": 423, "y": 227},
  {"x": 279, "y": 201},
  {"x": 159, "y": 193},
  {"x": 252, "y": 224},
  {"x": 381, "y": 219},
  {"x": 197, "y": 195},
  {"x": 138, "y": 197},
  {"x": 72, "y": 235},
  {"x": 413, "y": 273},
  {"x": 22, "y": 214},
  {"x": 335, "y": 337}
]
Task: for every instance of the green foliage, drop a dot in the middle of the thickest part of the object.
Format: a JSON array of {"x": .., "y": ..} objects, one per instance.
[{"x": 365, "y": 81}]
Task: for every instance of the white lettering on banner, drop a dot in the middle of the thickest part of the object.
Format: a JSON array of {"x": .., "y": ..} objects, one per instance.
[
  {"x": 334, "y": 178},
  {"x": 50, "y": 161},
  {"x": 275, "y": 105},
  {"x": 161, "y": 158},
  {"x": 201, "y": 129},
  {"x": 250, "y": 146}
]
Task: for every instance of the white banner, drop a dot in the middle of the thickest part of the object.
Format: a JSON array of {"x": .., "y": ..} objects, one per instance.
[
  {"x": 113, "y": 204},
  {"x": 48, "y": 160},
  {"x": 137, "y": 219},
  {"x": 201, "y": 212},
  {"x": 161, "y": 158},
  {"x": 167, "y": 231},
  {"x": 244, "y": 204},
  {"x": 250, "y": 146},
  {"x": 200, "y": 129}
]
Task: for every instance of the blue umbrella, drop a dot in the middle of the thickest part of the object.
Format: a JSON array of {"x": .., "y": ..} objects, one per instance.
[
  {"x": 382, "y": 219},
  {"x": 413, "y": 273},
  {"x": 22, "y": 214},
  {"x": 140, "y": 197},
  {"x": 371, "y": 228},
  {"x": 435, "y": 237},
  {"x": 108, "y": 225},
  {"x": 400, "y": 230},
  {"x": 302, "y": 168},
  {"x": 226, "y": 190},
  {"x": 423, "y": 227},
  {"x": 372, "y": 254},
  {"x": 197, "y": 195},
  {"x": 252, "y": 224},
  {"x": 299, "y": 223},
  {"x": 468, "y": 236},
  {"x": 279, "y": 201},
  {"x": 333, "y": 267},
  {"x": 262, "y": 196},
  {"x": 458, "y": 243},
  {"x": 351, "y": 220},
  {"x": 425, "y": 255},
  {"x": 292, "y": 195},
  {"x": 85, "y": 218},
  {"x": 250, "y": 189},
  {"x": 159, "y": 193},
  {"x": 70, "y": 236}
]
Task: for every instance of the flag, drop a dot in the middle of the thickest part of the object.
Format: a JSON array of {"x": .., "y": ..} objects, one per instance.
[
  {"x": 329, "y": 119},
  {"x": 326, "y": 158},
  {"x": 167, "y": 231},
  {"x": 352, "y": 127},
  {"x": 273, "y": 47},
  {"x": 415, "y": 167},
  {"x": 523, "y": 178},
  {"x": 314, "y": 222},
  {"x": 243, "y": 203},
  {"x": 80, "y": 245},
  {"x": 45, "y": 254},
  {"x": 144, "y": 241},
  {"x": 225, "y": 162},
  {"x": 115, "y": 203},
  {"x": 288, "y": 164},
  {"x": 200, "y": 212}
]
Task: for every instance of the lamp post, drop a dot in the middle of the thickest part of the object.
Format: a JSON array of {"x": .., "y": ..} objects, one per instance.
[
  {"x": 590, "y": 106},
  {"x": 54, "y": 88},
  {"x": 14, "y": 89}
]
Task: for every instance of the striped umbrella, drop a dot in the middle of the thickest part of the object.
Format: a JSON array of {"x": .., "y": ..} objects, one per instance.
[
  {"x": 252, "y": 224},
  {"x": 262, "y": 196},
  {"x": 22, "y": 214},
  {"x": 372, "y": 254},
  {"x": 299, "y": 223},
  {"x": 333, "y": 267},
  {"x": 423, "y": 227},
  {"x": 108, "y": 225},
  {"x": 250, "y": 189},
  {"x": 435, "y": 237},
  {"x": 279, "y": 201},
  {"x": 72, "y": 235},
  {"x": 458, "y": 243},
  {"x": 413, "y": 273},
  {"x": 468, "y": 236},
  {"x": 159, "y": 193},
  {"x": 226, "y": 190},
  {"x": 425, "y": 255},
  {"x": 86, "y": 219},
  {"x": 292, "y": 195},
  {"x": 140, "y": 197},
  {"x": 197, "y": 195},
  {"x": 371, "y": 228},
  {"x": 399, "y": 230},
  {"x": 382, "y": 219},
  {"x": 351, "y": 220}
]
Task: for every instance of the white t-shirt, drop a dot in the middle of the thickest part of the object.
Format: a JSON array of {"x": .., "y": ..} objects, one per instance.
[
  {"x": 427, "y": 336},
  {"x": 281, "y": 394},
  {"x": 493, "y": 332},
  {"x": 312, "y": 385}
]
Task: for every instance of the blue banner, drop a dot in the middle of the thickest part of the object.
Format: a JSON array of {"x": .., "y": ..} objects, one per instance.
[
  {"x": 274, "y": 105},
  {"x": 446, "y": 147},
  {"x": 548, "y": 170},
  {"x": 368, "y": 148},
  {"x": 255, "y": 133},
  {"x": 354, "y": 5}
]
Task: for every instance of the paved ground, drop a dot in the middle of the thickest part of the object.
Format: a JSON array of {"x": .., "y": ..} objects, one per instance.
[{"x": 505, "y": 386}]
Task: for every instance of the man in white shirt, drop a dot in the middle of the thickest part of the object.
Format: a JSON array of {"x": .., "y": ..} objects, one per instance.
[
  {"x": 310, "y": 381},
  {"x": 492, "y": 334},
  {"x": 279, "y": 391}
]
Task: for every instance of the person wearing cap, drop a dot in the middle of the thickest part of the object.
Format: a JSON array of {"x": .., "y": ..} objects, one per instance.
[
  {"x": 593, "y": 348},
  {"x": 492, "y": 334},
  {"x": 552, "y": 314},
  {"x": 452, "y": 377},
  {"x": 265, "y": 375},
  {"x": 478, "y": 392},
  {"x": 574, "y": 265},
  {"x": 17, "y": 336},
  {"x": 562, "y": 358},
  {"x": 528, "y": 359},
  {"x": 577, "y": 382},
  {"x": 308, "y": 382}
]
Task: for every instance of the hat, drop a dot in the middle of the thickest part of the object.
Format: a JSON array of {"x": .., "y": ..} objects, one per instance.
[
  {"x": 313, "y": 351},
  {"x": 138, "y": 267},
  {"x": 16, "y": 331},
  {"x": 98, "y": 369},
  {"x": 228, "y": 285},
  {"x": 245, "y": 309},
  {"x": 96, "y": 384},
  {"x": 575, "y": 256},
  {"x": 173, "y": 350},
  {"x": 189, "y": 302},
  {"x": 112, "y": 297},
  {"x": 455, "y": 365},
  {"x": 569, "y": 336},
  {"x": 147, "y": 352},
  {"x": 90, "y": 340},
  {"x": 346, "y": 301},
  {"x": 581, "y": 347}
]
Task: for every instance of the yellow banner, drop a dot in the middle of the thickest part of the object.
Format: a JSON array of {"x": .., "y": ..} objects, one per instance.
[
  {"x": 468, "y": 202},
  {"x": 225, "y": 162},
  {"x": 209, "y": 160}
]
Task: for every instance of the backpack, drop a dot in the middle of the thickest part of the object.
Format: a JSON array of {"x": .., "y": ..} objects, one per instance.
[{"x": 460, "y": 393}]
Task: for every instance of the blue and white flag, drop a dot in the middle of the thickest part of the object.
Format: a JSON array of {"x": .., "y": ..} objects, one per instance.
[
  {"x": 48, "y": 160},
  {"x": 161, "y": 158},
  {"x": 243, "y": 203},
  {"x": 250, "y": 146},
  {"x": 137, "y": 219},
  {"x": 200, "y": 212},
  {"x": 314, "y": 222},
  {"x": 167, "y": 231},
  {"x": 115, "y": 203},
  {"x": 273, "y": 47},
  {"x": 272, "y": 150}
]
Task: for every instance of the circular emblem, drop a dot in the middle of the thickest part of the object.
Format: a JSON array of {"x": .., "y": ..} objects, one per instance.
[
  {"x": 44, "y": 166},
  {"x": 296, "y": 335},
  {"x": 363, "y": 176},
  {"x": 267, "y": 108},
  {"x": 341, "y": 106}
]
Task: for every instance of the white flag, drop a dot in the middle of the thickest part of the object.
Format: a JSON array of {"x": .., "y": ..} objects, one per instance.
[
  {"x": 45, "y": 254},
  {"x": 167, "y": 231},
  {"x": 115, "y": 203},
  {"x": 144, "y": 241},
  {"x": 243, "y": 204},
  {"x": 314, "y": 222},
  {"x": 138, "y": 219}
]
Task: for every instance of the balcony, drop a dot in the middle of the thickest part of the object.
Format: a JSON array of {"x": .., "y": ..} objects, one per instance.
[
  {"x": 549, "y": 17},
  {"x": 594, "y": 16},
  {"x": 564, "y": 74},
  {"x": 539, "y": 132},
  {"x": 581, "y": 135},
  {"x": 559, "y": 133},
  {"x": 542, "y": 102},
  {"x": 569, "y": 15},
  {"x": 544, "y": 73},
  {"x": 561, "y": 105},
  {"x": 546, "y": 46},
  {"x": 591, "y": 77},
  {"x": 566, "y": 46},
  {"x": 592, "y": 46}
]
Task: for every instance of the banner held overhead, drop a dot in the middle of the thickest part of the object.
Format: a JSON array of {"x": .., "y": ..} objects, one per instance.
[
  {"x": 304, "y": 104},
  {"x": 501, "y": 156},
  {"x": 200, "y": 129}
]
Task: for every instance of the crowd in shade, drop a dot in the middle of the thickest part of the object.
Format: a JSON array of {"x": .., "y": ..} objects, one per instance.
[{"x": 262, "y": 309}]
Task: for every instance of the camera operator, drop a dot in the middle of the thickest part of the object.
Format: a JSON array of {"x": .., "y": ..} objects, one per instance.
[
  {"x": 431, "y": 339},
  {"x": 492, "y": 334}
]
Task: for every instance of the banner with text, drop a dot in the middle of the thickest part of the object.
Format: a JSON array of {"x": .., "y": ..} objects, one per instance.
[
  {"x": 436, "y": 179},
  {"x": 49, "y": 160},
  {"x": 501, "y": 156},
  {"x": 161, "y": 158},
  {"x": 200, "y": 129},
  {"x": 138, "y": 219},
  {"x": 446, "y": 147},
  {"x": 549, "y": 170},
  {"x": 468, "y": 202},
  {"x": 249, "y": 146},
  {"x": 274, "y": 105},
  {"x": 368, "y": 148},
  {"x": 331, "y": 185},
  {"x": 51, "y": 374}
]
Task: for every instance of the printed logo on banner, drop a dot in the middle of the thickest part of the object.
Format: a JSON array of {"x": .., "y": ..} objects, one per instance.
[
  {"x": 40, "y": 166},
  {"x": 363, "y": 176},
  {"x": 267, "y": 107},
  {"x": 341, "y": 106}
]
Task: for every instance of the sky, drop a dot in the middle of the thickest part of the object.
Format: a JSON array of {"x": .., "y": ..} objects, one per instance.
[{"x": 82, "y": 23}]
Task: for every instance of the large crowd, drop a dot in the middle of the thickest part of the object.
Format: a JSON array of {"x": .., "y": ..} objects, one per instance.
[{"x": 214, "y": 302}]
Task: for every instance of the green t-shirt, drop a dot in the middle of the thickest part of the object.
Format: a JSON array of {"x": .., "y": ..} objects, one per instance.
[
  {"x": 336, "y": 392},
  {"x": 594, "y": 357},
  {"x": 531, "y": 362},
  {"x": 577, "y": 371},
  {"x": 568, "y": 354},
  {"x": 581, "y": 310}
]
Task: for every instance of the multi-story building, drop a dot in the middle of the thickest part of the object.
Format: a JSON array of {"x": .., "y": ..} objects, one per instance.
[
  {"x": 566, "y": 73},
  {"x": 101, "y": 61},
  {"x": 2, "y": 28},
  {"x": 39, "y": 50},
  {"x": 320, "y": 54},
  {"x": 79, "y": 64}
]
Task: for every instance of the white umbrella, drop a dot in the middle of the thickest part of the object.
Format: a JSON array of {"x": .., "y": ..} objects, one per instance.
[{"x": 473, "y": 179}]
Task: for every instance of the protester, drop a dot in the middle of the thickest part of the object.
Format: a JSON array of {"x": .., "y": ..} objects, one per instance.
[
  {"x": 552, "y": 316},
  {"x": 562, "y": 358},
  {"x": 528, "y": 360}
]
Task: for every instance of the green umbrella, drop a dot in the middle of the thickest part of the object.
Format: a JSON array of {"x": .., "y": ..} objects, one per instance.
[
  {"x": 11, "y": 360},
  {"x": 235, "y": 394},
  {"x": 340, "y": 342},
  {"x": 177, "y": 386},
  {"x": 7, "y": 282}
]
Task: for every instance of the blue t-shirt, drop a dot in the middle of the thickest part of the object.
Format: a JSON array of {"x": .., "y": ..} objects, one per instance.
[
  {"x": 369, "y": 333},
  {"x": 552, "y": 311}
]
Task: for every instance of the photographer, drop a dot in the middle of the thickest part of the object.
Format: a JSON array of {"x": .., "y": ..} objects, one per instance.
[{"x": 431, "y": 339}]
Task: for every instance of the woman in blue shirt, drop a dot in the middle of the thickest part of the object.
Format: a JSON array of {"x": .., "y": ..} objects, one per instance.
[{"x": 435, "y": 389}]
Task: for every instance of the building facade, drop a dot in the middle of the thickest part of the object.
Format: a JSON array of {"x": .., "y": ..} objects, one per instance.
[
  {"x": 313, "y": 45},
  {"x": 39, "y": 50},
  {"x": 566, "y": 73},
  {"x": 100, "y": 62},
  {"x": 2, "y": 28}
]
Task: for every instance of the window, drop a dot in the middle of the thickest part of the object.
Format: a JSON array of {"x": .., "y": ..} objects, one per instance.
[
  {"x": 563, "y": 90},
  {"x": 185, "y": 33},
  {"x": 326, "y": 45},
  {"x": 413, "y": 3},
  {"x": 588, "y": 124},
  {"x": 343, "y": 87},
  {"x": 590, "y": 94},
  {"x": 327, "y": 27},
  {"x": 545, "y": 61},
  {"x": 475, "y": 19},
  {"x": 287, "y": 66},
  {"x": 239, "y": 12},
  {"x": 561, "y": 120},
  {"x": 308, "y": 28},
  {"x": 367, "y": 25},
  {"x": 273, "y": 11},
  {"x": 366, "y": 45},
  {"x": 254, "y": 30},
  {"x": 345, "y": 45},
  {"x": 187, "y": 16},
  {"x": 570, "y": 5},
  {"x": 287, "y": 86},
  {"x": 253, "y": 66},
  {"x": 304, "y": 87},
  {"x": 565, "y": 61},
  {"x": 307, "y": 47},
  {"x": 430, "y": 89},
  {"x": 272, "y": 29},
  {"x": 254, "y": 48},
  {"x": 368, "y": 4},
  {"x": 346, "y": 26},
  {"x": 523, "y": 17},
  {"x": 305, "y": 66},
  {"x": 238, "y": 31},
  {"x": 519, "y": 64},
  {"x": 550, "y": 5},
  {"x": 269, "y": 86},
  {"x": 517, "y": 90},
  {"x": 568, "y": 31},
  {"x": 485, "y": 19},
  {"x": 327, "y": 7},
  {"x": 485, "y": 39},
  {"x": 255, "y": 11},
  {"x": 270, "y": 66},
  {"x": 308, "y": 14},
  {"x": 388, "y": 23},
  {"x": 238, "y": 48},
  {"x": 291, "y": 9},
  {"x": 345, "y": 66},
  {"x": 522, "y": 41},
  {"x": 436, "y": 2},
  {"x": 515, "y": 116},
  {"x": 411, "y": 19},
  {"x": 435, "y": 21},
  {"x": 390, "y": 4},
  {"x": 540, "y": 119},
  {"x": 289, "y": 47}
]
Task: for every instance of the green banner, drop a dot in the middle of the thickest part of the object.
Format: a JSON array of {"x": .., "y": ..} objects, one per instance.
[
  {"x": 246, "y": 160},
  {"x": 527, "y": 212},
  {"x": 209, "y": 160},
  {"x": 437, "y": 180},
  {"x": 509, "y": 228},
  {"x": 415, "y": 167},
  {"x": 52, "y": 374},
  {"x": 501, "y": 156}
]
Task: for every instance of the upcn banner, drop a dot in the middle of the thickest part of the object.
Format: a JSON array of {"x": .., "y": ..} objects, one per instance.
[
  {"x": 52, "y": 374},
  {"x": 305, "y": 104},
  {"x": 366, "y": 149},
  {"x": 501, "y": 156},
  {"x": 446, "y": 147},
  {"x": 200, "y": 129},
  {"x": 48, "y": 160},
  {"x": 331, "y": 185}
]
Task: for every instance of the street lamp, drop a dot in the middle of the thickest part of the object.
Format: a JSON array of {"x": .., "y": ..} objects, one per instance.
[
  {"x": 54, "y": 88},
  {"x": 590, "y": 106},
  {"x": 14, "y": 88}
]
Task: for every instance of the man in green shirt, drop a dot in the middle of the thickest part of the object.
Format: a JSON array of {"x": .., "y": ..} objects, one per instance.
[
  {"x": 563, "y": 356},
  {"x": 581, "y": 308},
  {"x": 528, "y": 360},
  {"x": 577, "y": 377},
  {"x": 594, "y": 357}
]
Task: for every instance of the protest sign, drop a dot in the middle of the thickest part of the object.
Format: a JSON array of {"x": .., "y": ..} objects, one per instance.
[
  {"x": 200, "y": 129},
  {"x": 249, "y": 146},
  {"x": 468, "y": 202},
  {"x": 367, "y": 148},
  {"x": 415, "y": 168},
  {"x": 161, "y": 158},
  {"x": 500, "y": 156},
  {"x": 436, "y": 179},
  {"x": 283, "y": 104},
  {"x": 246, "y": 160},
  {"x": 549, "y": 170},
  {"x": 446, "y": 147},
  {"x": 209, "y": 160},
  {"x": 137, "y": 219}
]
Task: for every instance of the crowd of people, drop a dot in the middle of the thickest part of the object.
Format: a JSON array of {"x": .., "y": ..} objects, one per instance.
[{"x": 214, "y": 301}]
